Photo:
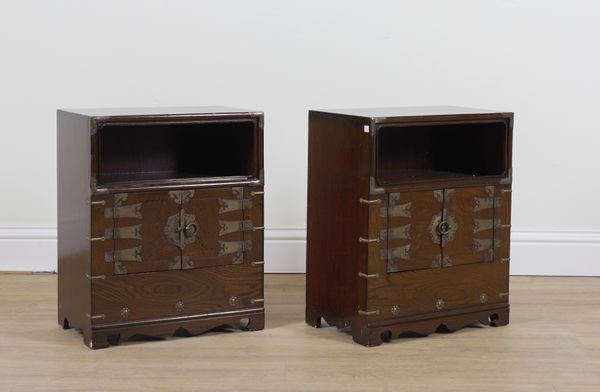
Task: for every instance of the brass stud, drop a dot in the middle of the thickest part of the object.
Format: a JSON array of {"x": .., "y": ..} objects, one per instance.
[
  {"x": 483, "y": 298},
  {"x": 395, "y": 310},
  {"x": 179, "y": 306},
  {"x": 125, "y": 312},
  {"x": 233, "y": 300},
  {"x": 439, "y": 304}
]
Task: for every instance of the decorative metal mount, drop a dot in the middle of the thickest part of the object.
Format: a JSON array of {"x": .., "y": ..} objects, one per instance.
[
  {"x": 368, "y": 240},
  {"x": 440, "y": 304},
  {"x": 371, "y": 313},
  {"x": 95, "y": 277},
  {"x": 483, "y": 297},
  {"x": 125, "y": 312},
  {"x": 96, "y": 202},
  {"x": 402, "y": 253},
  {"x": 373, "y": 188},
  {"x": 442, "y": 228},
  {"x": 366, "y": 201},
  {"x": 181, "y": 197},
  {"x": 396, "y": 233},
  {"x": 367, "y": 276},
  {"x": 181, "y": 229},
  {"x": 396, "y": 211},
  {"x": 95, "y": 317}
]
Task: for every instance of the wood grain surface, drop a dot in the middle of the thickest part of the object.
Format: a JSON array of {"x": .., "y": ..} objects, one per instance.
[
  {"x": 418, "y": 292},
  {"x": 199, "y": 291}
]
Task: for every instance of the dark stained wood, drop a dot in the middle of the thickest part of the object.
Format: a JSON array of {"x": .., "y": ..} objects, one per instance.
[
  {"x": 435, "y": 162},
  {"x": 156, "y": 295},
  {"x": 138, "y": 294},
  {"x": 74, "y": 221},
  {"x": 417, "y": 292},
  {"x": 106, "y": 335},
  {"x": 496, "y": 316},
  {"x": 338, "y": 176}
]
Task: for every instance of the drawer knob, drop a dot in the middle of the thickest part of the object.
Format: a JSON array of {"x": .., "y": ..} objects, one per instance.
[
  {"x": 125, "y": 312},
  {"x": 439, "y": 304},
  {"x": 483, "y": 298},
  {"x": 444, "y": 227},
  {"x": 179, "y": 306},
  {"x": 190, "y": 229}
]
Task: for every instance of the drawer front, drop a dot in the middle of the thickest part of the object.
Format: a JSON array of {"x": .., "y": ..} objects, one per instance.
[
  {"x": 137, "y": 297},
  {"x": 429, "y": 291}
]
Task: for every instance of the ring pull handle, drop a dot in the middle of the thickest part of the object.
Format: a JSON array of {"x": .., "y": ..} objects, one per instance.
[
  {"x": 443, "y": 228},
  {"x": 190, "y": 229}
]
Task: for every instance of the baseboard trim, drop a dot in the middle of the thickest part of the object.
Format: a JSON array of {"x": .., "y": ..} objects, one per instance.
[{"x": 533, "y": 252}]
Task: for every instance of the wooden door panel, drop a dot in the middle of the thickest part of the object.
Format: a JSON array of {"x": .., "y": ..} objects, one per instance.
[
  {"x": 429, "y": 291},
  {"x": 137, "y": 297},
  {"x": 219, "y": 216},
  {"x": 412, "y": 242},
  {"x": 140, "y": 232},
  {"x": 469, "y": 213}
]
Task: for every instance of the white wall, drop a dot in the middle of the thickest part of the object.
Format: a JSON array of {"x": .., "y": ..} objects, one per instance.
[{"x": 540, "y": 59}]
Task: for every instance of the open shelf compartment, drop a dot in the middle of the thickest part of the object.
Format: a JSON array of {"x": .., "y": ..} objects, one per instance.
[
  {"x": 414, "y": 153},
  {"x": 177, "y": 152}
]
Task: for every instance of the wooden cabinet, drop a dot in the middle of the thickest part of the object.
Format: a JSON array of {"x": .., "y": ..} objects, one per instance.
[
  {"x": 160, "y": 221},
  {"x": 408, "y": 219}
]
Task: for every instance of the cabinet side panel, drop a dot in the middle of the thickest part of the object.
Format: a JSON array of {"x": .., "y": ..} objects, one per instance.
[
  {"x": 338, "y": 176},
  {"x": 73, "y": 176}
]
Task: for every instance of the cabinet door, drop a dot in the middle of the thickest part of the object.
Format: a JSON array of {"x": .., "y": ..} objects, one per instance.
[
  {"x": 468, "y": 225},
  {"x": 412, "y": 241},
  {"x": 213, "y": 225},
  {"x": 141, "y": 232}
]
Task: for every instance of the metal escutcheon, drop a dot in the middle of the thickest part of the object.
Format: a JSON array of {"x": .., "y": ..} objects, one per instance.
[
  {"x": 443, "y": 228},
  {"x": 190, "y": 229}
]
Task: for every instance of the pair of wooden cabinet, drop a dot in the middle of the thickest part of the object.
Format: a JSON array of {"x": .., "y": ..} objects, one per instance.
[
  {"x": 408, "y": 220},
  {"x": 160, "y": 221}
]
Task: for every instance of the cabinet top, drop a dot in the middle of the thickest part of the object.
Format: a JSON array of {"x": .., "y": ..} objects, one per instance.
[
  {"x": 161, "y": 111},
  {"x": 411, "y": 111}
]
